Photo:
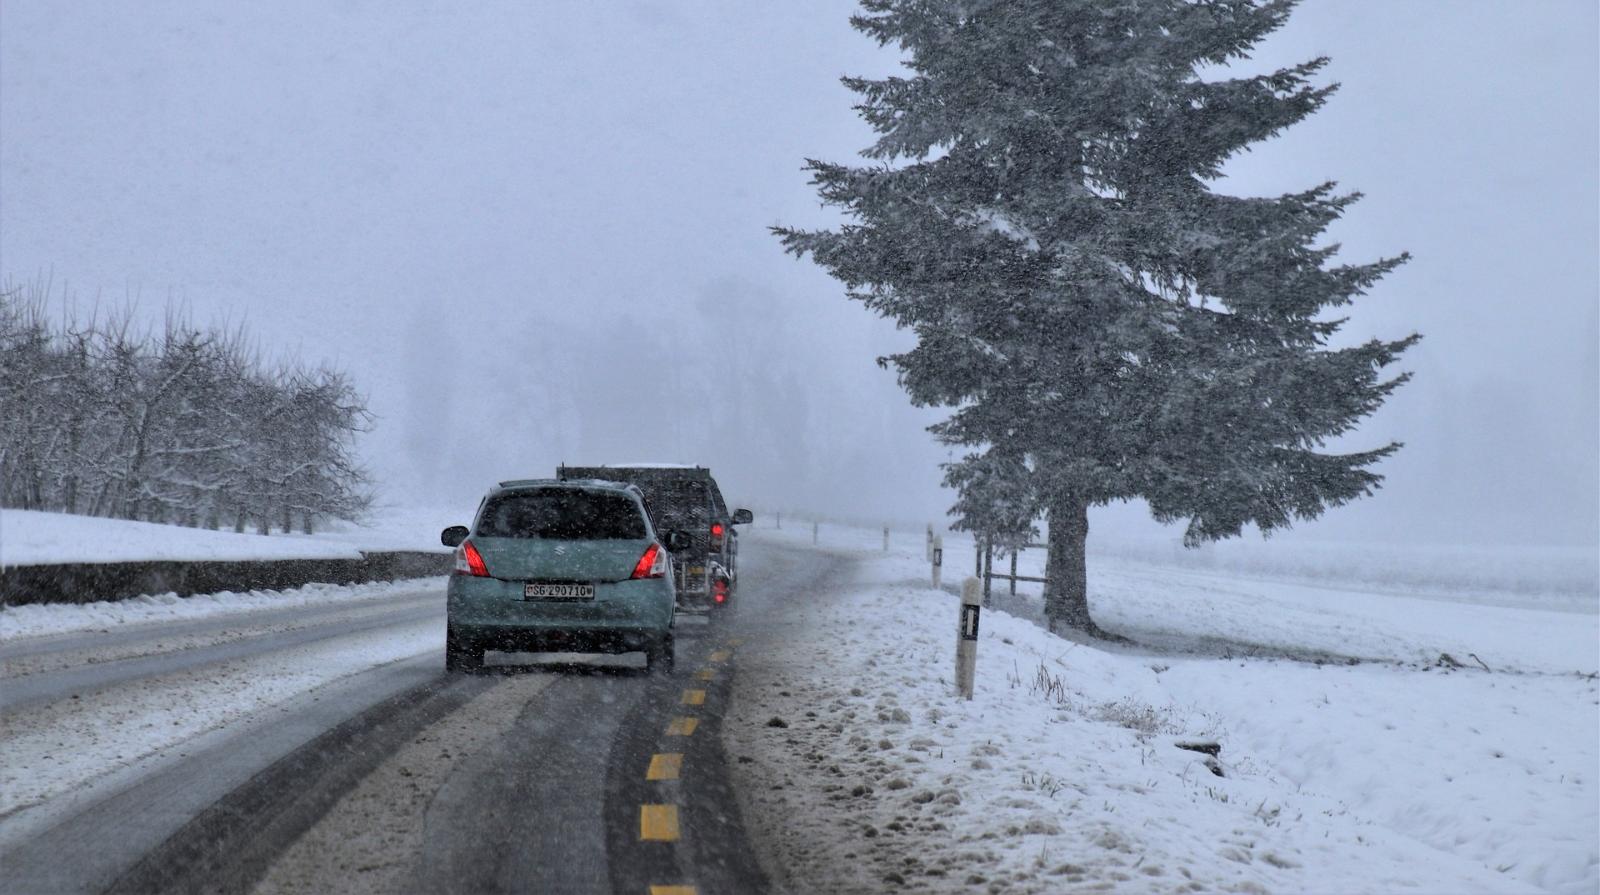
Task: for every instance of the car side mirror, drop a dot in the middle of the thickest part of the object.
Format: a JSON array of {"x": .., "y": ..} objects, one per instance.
[
  {"x": 743, "y": 517},
  {"x": 454, "y": 535},
  {"x": 677, "y": 540}
]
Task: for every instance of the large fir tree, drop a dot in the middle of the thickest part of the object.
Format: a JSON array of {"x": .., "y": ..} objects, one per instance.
[{"x": 1039, "y": 212}]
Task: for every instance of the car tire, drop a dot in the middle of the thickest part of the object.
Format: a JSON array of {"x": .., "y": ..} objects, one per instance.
[
  {"x": 659, "y": 658},
  {"x": 461, "y": 655}
]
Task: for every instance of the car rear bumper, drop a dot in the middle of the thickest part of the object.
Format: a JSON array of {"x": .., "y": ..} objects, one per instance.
[
  {"x": 623, "y": 615},
  {"x": 565, "y": 639}
]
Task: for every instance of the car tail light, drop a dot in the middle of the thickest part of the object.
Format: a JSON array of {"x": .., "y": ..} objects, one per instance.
[
  {"x": 653, "y": 564},
  {"x": 716, "y": 536},
  {"x": 719, "y": 590},
  {"x": 470, "y": 562}
]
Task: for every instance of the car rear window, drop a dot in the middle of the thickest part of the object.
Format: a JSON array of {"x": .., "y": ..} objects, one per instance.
[{"x": 563, "y": 514}]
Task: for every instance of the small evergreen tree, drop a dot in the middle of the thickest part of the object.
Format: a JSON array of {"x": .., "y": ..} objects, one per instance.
[{"x": 1039, "y": 213}]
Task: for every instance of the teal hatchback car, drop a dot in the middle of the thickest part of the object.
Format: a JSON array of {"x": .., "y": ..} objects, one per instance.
[{"x": 570, "y": 566}]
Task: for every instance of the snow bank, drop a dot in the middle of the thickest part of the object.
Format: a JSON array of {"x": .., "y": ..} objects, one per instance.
[
  {"x": 1064, "y": 772},
  {"x": 33, "y": 538},
  {"x": 29, "y": 537},
  {"x": 41, "y": 619}
]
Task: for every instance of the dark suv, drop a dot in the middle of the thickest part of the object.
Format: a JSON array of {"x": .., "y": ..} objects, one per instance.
[{"x": 686, "y": 499}]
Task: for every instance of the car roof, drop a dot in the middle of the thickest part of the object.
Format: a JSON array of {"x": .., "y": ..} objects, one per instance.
[
  {"x": 651, "y": 466},
  {"x": 596, "y": 484}
]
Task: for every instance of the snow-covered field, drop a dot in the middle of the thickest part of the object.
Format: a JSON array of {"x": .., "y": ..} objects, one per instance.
[
  {"x": 1562, "y": 578},
  {"x": 1063, "y": 774},
  {"x": 30, "y": 538},
  {"x": 35, "y": 538}
]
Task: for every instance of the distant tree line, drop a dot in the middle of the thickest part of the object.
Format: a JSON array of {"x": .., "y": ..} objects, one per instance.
[{"x": 180, "y": 425}]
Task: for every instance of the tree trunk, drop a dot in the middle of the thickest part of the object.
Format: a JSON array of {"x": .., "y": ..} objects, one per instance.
[{"x": 1066, "y": 595}]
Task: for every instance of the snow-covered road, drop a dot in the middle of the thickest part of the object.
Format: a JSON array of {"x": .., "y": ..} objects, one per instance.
[{"x": 153, "y": 674}]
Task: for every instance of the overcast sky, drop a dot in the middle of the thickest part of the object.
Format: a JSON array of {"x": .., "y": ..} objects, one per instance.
[{"x": 537, "y": 232}]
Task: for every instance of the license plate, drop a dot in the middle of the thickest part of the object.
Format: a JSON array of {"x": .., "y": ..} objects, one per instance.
[
  {"x": 696, "y": 570},
  {"x": 558, "y": 592}
]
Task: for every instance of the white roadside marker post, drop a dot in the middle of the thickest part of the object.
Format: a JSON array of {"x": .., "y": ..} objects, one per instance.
[
  {"x": 928, "y": 541},
  {"x": 967, "y": 637},
  {"x": 886, "y": 539},
  {"x": 813, "y": 534},
  {"x": 936, "y": 553}
]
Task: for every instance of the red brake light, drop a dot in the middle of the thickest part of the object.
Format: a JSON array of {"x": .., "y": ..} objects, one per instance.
[
  {"x": 653, "y": 564},
  {"x": 719, "y": 591},
  {"x": 470, "y": 562},
  {"x": 716, "y": 530}
]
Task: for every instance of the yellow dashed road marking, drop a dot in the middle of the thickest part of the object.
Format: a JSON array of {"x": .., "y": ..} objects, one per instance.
[
  {"x": 673, "y": 890},
  {"x": 694, "y": 697},
  {"x": 720, "y": 655},
  {"x": 706, "y": 675},
  {"x": 664, "y": 766},
  {"x": 658, "y": 823},
  {"x": 682, "y": 727}
]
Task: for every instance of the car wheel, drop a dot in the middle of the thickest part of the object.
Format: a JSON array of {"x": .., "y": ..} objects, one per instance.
[
  {"x": 660, "y": 657},
  {"x": 461, "y": 654}
]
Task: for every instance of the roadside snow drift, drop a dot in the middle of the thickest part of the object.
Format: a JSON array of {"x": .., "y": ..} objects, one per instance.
[
  {"x": 1066, "y": 773},
  {"x": 29, "y": 538}
]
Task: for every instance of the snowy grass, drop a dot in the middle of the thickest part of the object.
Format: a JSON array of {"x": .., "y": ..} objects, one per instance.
[{"x": 1064, "y": 773}]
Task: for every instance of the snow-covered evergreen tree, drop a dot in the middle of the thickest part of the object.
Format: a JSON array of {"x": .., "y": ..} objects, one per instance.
[{"x": 1040, "y": 212}]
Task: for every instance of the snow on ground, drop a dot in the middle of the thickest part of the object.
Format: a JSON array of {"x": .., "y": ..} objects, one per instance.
[
  {"x": 1559, "y": 578},
  {"x": 48, "y": 750},
  {"x": 398, "y": 528},
  {"x": 52, "y": 538},
  {"x": 43, "y": 619},
  {"x": 1180, "y": 607},
  {"x": 1063, "y": 773},
  {"x": 29, "y": 537}
]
